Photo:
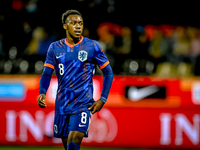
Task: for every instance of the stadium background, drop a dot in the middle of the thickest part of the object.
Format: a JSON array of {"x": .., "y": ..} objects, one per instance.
[{"x": 152, "y": 47}]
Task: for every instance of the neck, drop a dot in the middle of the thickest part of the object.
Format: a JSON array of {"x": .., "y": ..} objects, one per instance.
[{"x": 72, "y": 40}]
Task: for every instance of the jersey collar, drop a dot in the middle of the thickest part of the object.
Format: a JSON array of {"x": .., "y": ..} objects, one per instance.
[{"x": 75, "y": 44}]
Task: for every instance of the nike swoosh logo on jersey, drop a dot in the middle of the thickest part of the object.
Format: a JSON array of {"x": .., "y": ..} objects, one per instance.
[
  {"x": 58, "y": 56},
  {"x": 137, "y": 94},
  {"x": 80, "y": 125}
]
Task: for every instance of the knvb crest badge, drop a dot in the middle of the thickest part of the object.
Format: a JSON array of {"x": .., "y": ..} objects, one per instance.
[{"x": 82, "y": 55}]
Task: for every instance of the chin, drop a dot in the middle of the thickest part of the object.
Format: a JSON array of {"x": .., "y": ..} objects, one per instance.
[{"x": 77, "y": 37}]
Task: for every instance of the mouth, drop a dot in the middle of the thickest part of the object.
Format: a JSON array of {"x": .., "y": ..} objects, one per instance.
[{"x": 77, "y": 32}]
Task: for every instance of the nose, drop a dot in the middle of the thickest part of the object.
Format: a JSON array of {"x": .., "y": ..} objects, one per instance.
[{"x": 78, "y": 26}]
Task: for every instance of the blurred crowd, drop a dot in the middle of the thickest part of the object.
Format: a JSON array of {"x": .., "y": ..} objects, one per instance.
[
  {"x": 174, "y": 50},
  {"x": 27, "y": 27}
]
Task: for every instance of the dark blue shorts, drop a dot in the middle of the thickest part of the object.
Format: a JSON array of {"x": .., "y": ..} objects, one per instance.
[{"x": 72, "y": 122}]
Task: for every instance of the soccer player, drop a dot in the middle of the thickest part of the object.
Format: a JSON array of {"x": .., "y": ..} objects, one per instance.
[{"x": 74, "y": 59}]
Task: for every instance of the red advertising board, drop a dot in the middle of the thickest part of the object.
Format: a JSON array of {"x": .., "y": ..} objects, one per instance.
[
  {"x": 148, "y": 112},
  {"x": 111, "y": 127}
]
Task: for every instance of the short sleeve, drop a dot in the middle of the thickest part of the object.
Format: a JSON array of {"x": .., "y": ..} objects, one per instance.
[
  {"x": 100, "y": 56},
  {"x": 50, "y": 57}
]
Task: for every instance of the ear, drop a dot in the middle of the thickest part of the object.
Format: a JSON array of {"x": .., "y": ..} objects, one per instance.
[{"x": 65, "y": 26}]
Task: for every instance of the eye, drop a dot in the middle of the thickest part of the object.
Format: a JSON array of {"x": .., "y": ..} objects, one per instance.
[
  {"x": 80, "y": 23},
  {"x": 73, "y": 23}
]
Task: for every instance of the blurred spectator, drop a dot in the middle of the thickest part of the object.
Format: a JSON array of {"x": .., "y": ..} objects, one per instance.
[
  {"x": 195, "y": 43},
  {"x": 143, "y": 44},
  {"x": 27, "y": 28},
  {"x": 45, "y": 42},
  {"x": 126, "y": 40},
  {"x": 40, "y": 42},
  {"x": 182, "y": 42},
  {"x": 159, "y": 48},
  {"x": 123, "y": 49},
  {"x": 116, "y": 42},
  {"x": 31, "y": 6},
  {"x": 107, "y": 32},
  {"x": 195, "y": 52},
  {"x": 37, "y": 36}
]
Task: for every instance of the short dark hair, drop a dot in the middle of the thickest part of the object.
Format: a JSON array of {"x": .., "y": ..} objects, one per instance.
[{"x": 69, "y": 12}]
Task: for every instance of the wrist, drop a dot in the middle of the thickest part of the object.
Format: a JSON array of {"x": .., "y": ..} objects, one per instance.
[
  {"x": 42, "y": 91},
  {"x": 103, "y": 99}
]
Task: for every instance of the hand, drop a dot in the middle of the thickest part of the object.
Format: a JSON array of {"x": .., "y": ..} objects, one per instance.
[
  {"x": 96, "y": 106},
  {"x": 41, "y": 100}
]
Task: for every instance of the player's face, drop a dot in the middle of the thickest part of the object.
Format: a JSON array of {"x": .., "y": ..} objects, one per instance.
[{"x": 74, "y": 25}]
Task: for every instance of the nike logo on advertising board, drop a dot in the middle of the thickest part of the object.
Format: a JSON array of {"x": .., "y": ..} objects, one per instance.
[
  {"x": 58, "y": 56},
  {"x": 135, "y": 94}
]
